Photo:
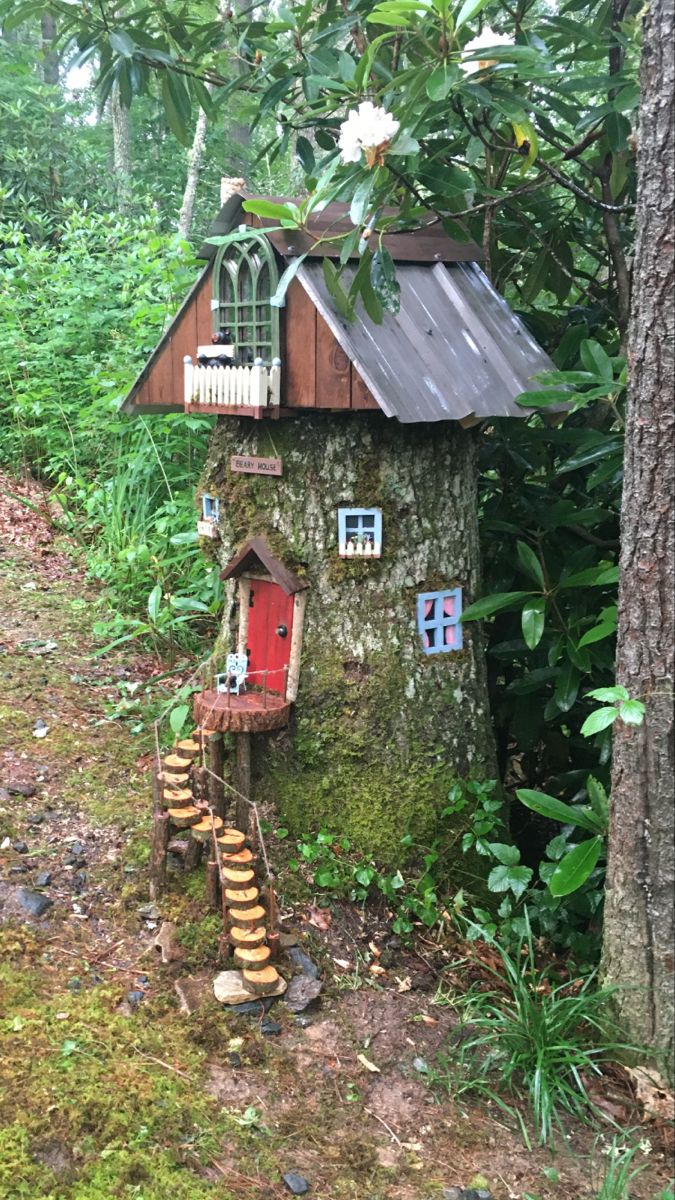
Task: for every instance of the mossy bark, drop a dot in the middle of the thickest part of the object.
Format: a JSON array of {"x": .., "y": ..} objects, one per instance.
[{"x": 380, "y": 729}]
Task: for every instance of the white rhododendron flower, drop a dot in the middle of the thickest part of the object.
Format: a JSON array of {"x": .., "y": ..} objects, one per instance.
[
  {"x": 368, "y": 130},
  {"x": 485, "y": 40}
]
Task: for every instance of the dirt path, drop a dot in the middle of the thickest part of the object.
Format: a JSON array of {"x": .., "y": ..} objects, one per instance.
[{"x": 110, "y": 1090}]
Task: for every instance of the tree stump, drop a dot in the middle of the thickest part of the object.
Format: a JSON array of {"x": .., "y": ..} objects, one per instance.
[
  {"x": 193, "y": 854},
  {"x": 242, "y": 779}
]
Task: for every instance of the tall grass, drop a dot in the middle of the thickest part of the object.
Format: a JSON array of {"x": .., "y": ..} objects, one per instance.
[{"x": 527, "y": 1039}]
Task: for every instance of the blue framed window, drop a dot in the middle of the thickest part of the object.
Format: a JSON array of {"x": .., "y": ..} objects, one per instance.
[
  {"x": 438, "y": 622},
  {"x": 210, "y": 508},
  {"x": 360, "y": 532}
]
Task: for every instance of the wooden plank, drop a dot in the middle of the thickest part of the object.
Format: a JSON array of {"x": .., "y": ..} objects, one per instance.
[
  {"x": 183, "y": 341},
  {"x": 361, "y": 396},
  {"x": 420, "y": 246},
  {"x": 298, "y": 371},
  {"x": 204, "y": 313},
  {"x": 333, "y": 370},
  {"x": 247, "y": 464}
]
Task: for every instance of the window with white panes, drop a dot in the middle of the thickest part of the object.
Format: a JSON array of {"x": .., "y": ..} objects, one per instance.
[{"x": 360, "y": 532}]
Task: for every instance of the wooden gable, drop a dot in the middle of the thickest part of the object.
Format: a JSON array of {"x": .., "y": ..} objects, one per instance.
[{"x": 316, "y": 371}]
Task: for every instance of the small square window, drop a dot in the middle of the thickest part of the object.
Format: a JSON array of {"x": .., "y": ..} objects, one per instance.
[
  {"x": 210, "y": 508},
  {"x": 438, "y": 615},
  {"x": 360, "y": 532}
]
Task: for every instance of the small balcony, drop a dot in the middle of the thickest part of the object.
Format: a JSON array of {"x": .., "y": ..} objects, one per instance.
[
  {"x": 257, "y": 709},
  {"x": 253, "y": 390}
]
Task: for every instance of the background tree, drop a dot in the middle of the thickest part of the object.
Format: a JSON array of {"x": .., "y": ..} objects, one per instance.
[{"x": 639, "y": 928}]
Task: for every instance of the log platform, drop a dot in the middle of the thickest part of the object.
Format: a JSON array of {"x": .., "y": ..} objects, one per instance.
[{"x": 250, "y": 712}]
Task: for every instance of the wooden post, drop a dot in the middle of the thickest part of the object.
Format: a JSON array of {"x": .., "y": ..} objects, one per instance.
[
  {"x": 213, "y": 886},
  {"x": 158, "y": 852},
  {"x": 242, "y": 779},
  {"x": 193, "y": 854},
  {"x": 272, "y": 931},
  {"x": 216, "y": 791}
]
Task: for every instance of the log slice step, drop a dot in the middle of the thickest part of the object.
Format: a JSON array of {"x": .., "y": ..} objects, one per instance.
[
  {"x": 242, "y": 900},
  {"x": 254, "y": 958},
  {"x": 247, "y": 937},
  {"x": 261, "y": 983},
  {"x": 176, "y": 762},
  {"x": 183, "y": 818},
  {"x": 231, "y": 841},
  {"x": 238, "y": 879},
  {"x": 203, "y": 831},
  {"x": 248, "y": 918}
]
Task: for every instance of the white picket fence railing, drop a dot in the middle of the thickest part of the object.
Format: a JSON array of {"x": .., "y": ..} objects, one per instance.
[{"x": 232, "y": 387}]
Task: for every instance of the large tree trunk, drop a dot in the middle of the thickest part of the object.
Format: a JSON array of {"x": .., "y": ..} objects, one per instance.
[
  {"x": 380, "y": 729},
  {"x": 638, "y": 948},
  {"x": 121, "y": 149}
]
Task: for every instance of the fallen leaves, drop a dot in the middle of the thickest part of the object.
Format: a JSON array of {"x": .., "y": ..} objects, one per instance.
[
  {"x": 320, "y": 918},
  {"x": 365, "y": 1062}
]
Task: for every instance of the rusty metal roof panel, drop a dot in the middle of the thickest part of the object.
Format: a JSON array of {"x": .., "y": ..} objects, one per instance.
[{"x": 454, "y": 351}]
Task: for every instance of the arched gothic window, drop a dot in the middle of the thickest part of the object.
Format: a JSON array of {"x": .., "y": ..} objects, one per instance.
[{"x": 245, "y": 279}]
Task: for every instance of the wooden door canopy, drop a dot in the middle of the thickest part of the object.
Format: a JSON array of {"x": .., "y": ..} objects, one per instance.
[{"x": 256, "y": 554}]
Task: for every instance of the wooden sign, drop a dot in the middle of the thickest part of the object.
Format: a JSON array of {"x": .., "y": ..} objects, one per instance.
[
  {"x": 242, "y": 464},
  {"x": 207, "y": 529}
]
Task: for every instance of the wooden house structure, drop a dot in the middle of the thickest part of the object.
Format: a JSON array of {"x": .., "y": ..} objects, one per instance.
[{"x": 339, "y": 496}]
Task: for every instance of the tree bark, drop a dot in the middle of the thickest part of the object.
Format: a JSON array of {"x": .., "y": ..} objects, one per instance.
[
  {"x": 50, "y": 57},
  {"x": 121, "y": 149},
  {"x": 194, "y": 166},
  {"x": 639, "y": 927}
]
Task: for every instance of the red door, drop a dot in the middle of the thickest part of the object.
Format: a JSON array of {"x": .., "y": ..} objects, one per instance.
[{"x": 270, "y": 623}]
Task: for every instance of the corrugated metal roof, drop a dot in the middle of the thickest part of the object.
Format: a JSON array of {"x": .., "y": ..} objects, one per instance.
[{"x": 454, "y": 350}]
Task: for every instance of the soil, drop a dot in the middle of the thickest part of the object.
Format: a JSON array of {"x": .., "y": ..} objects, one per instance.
[{"x": 135, "y": 1096}]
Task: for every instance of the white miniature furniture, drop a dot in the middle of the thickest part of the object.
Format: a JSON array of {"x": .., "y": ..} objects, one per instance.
[{"x": 233, "y": 678}]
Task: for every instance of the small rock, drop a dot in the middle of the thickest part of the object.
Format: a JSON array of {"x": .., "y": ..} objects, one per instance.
[
  {"x": 420, "y": 1065},
  {"x": 288, "y": 939},
  {"x": 79, "y": 881},
  {"x": 302, "y": 960},
  {"x": 37, "y": 819},
  {"x": 21, "y": 789},
  {"x": 134, "y": 998},
  {"x": 142, "y": 980},
  {"x": 302, "y": 1020},
  {"x": 270, "y": 1028},
  {"x": 149, "y": 912},
  {"x": 33, "y": 902},
  {"x": 40, "y": 729},
  {"x": 234, "y": 1059},
  {"x": 193, "y": 992},
  {"x": 302, "y": 991},
  {"x": 5, "y": 843},
  {"x": 17, "y": 870},
  {"x": 166, "y": 942},
  {"x": 457, "y": 1193},
  {"x": 20, "y": 847},
  {"x": 252, "y": 1008},
  {"x": 43, "y": 879},
  {"x": 296, "y": 1184},
  {"x": 74, "y": 985},
  {"x": 228, "y": 988}
]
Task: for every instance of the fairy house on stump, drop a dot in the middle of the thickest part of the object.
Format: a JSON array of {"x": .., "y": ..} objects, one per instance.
[{"x": 339, "y": 497}]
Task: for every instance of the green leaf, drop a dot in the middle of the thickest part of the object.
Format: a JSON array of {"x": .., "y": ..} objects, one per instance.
[
  {"x": 530, "y": 563},
  {"x": 359, "y": 204},
  {"x": 574, "y": 869},
  {"x": 591, "y": 577},
  {"x": 632, "y": 712},
  {"x": 492, "y": 604},
  {"x": 617, "y": 128},
  {"x": 305, "y": 152},
  {"x": 505, "y": 879},
  {"x": 122, "y": 43},
  {"x": 442, "y": 80},
  {"x": 270, "y": 209},
  {"x": 384, "y": 281},
  {"x": 598, "y": 798},
  {"x": 557, "y": 810},
  {"x": 468, "y": 11},
  {"x": 338, "y": 296},
  {"x": 278, "y": 300},
  {"x": 567, "y": 686},
  {"x": 609, "y": 695},
  {"x": 178, "y": 717},
  {"x": 506, "y": 854},
  {"x": 595, "y": 358},
  {"x": 154, "y": 601},
  {"x": 176, "y": 106},
  {"x": 533, "y": 620}
]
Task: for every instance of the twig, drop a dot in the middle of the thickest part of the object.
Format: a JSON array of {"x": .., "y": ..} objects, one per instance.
[
  {"x": 384, "y": 1124},
  {"x": 161, "y": 1063}
]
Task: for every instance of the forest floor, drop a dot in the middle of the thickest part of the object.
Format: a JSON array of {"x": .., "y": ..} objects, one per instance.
[{"x": 108, "y": 1087}]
